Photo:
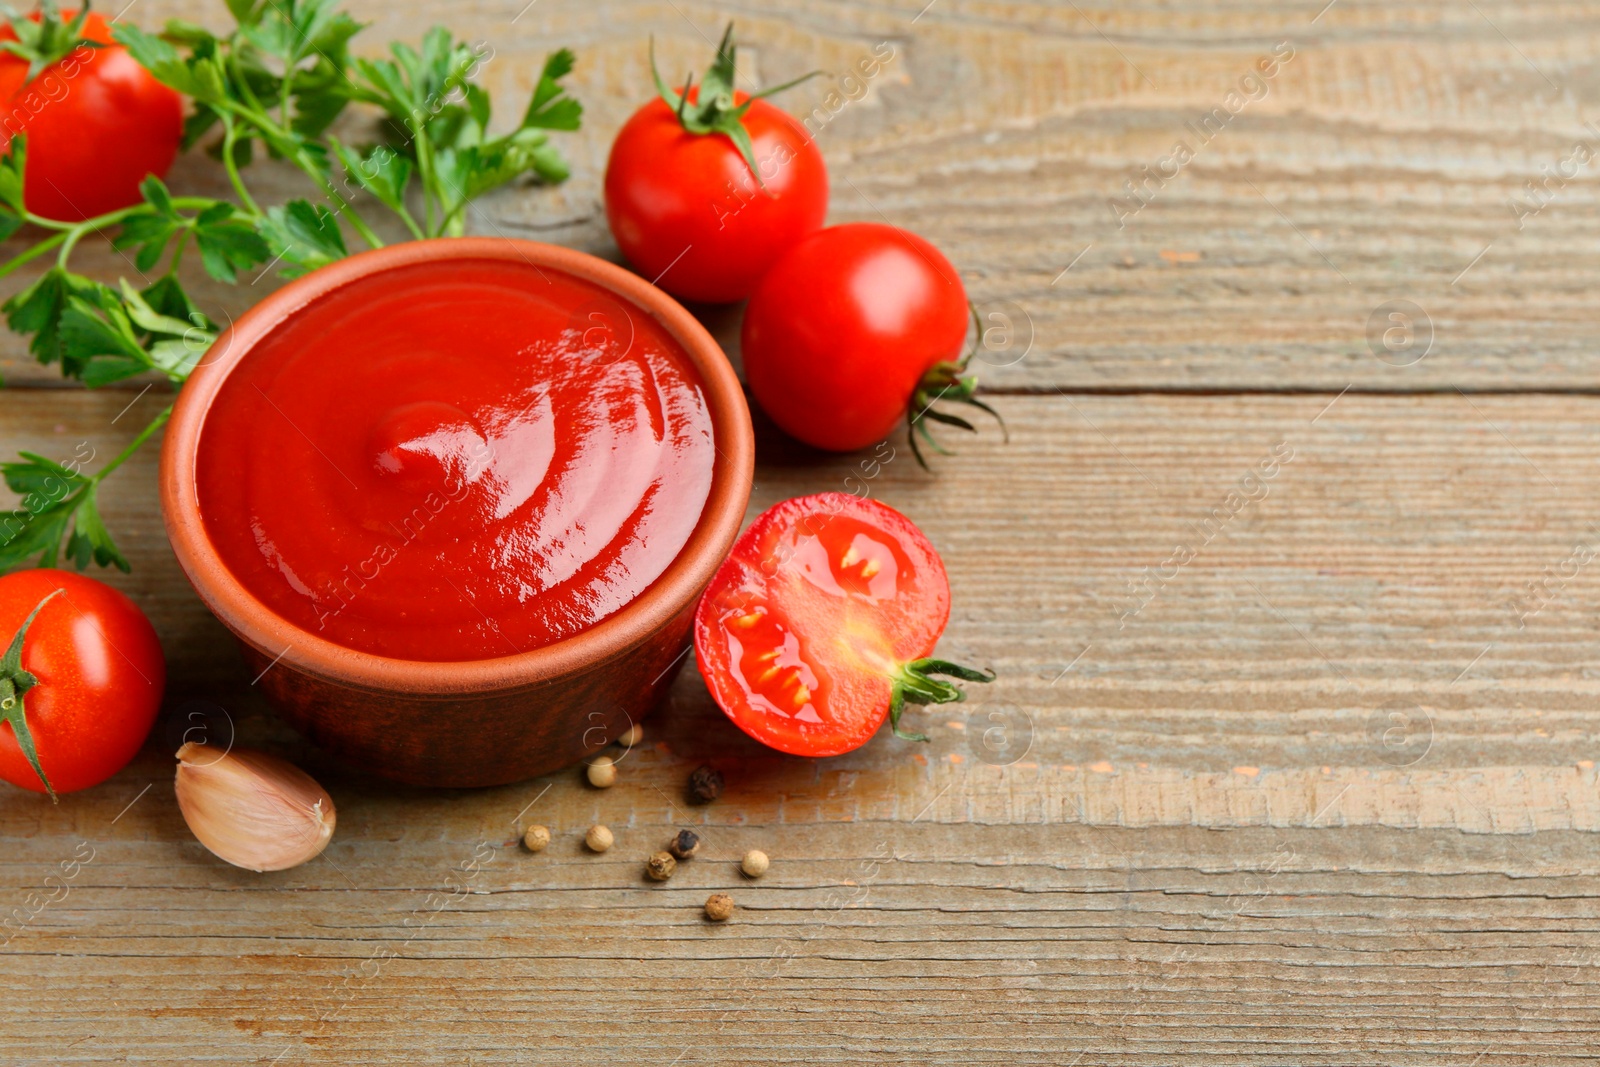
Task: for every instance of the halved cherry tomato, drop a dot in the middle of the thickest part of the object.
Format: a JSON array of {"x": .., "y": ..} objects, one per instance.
[
  {"x": 855, "y": 328},
  {"x": 96, "y": 121},
  {"x": 817, "y": 626},
  {"x": 80, "y": 681},
  {"x": 705, "y": 191}
]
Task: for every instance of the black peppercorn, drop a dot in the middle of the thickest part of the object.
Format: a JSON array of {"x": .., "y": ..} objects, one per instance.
[
  {"x": 705, "y": 784},
  {"x": 686, "y": 844}
]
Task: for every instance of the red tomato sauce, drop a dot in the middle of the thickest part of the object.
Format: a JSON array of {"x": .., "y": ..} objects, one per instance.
[{"x": 456, "y": 462}]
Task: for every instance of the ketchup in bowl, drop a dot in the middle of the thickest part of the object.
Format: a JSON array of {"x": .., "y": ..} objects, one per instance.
[{"x": 456, "y": 463}]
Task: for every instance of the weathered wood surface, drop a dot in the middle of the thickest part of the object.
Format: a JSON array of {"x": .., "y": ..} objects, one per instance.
[
  {"x": 1323, "y": 794},
  {"x": 1371, "y": 902}
]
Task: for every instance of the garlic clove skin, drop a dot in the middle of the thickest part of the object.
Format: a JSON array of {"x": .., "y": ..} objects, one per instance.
[{"x": 254, "y": 810}]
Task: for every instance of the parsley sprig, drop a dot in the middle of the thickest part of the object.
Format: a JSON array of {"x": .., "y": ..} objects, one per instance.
[{"x": 276, "y": 85}]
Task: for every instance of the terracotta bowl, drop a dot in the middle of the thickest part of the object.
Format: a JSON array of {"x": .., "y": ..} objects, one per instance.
[{"x": 481, "y": 722}]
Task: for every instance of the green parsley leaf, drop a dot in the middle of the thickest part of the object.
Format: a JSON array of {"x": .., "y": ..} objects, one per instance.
[
  {"x": 37, "y": 310},
  {"x": 228, "y": 243},
  {"x": 148, "y": 319},
  {"x": 173, "y": 344},
  {"x": 200, "y": 76},
  {"x": 12, "y": 165},
  {"x": 243, "y": 11},
  {"x": 414, "y": 87},
  {"x": 551, "y": 108},
  {"x": 98, "y": 336},
  {"x": 320, "y": 93},
  {"x": 383, "y": 172},
  {"x": 306, "y": 236},
  {"x": 154, "y": 191},
  {"x": 165, "y": 296},
  {"x": 152, "y": 227},
  {"x": 25, "y": 535},
  {"x": 40, "y": 476},
  {"x": 54, "y": 500},
  {"x": 149, "y": 232},
  {"x": 90, "y": 539},
  {"x": 178, "y": 31}
]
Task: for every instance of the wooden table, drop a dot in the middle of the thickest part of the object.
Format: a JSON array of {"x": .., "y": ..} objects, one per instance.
[{"x": 1324, "y": 794}]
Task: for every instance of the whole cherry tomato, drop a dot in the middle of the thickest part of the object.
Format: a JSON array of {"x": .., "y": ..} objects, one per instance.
[
  {"x": 96, "y": 121},
  {"x": 819, "y": 624},
  {"x": 682, "y": 191},
  {"x": 80, "y": 682},
  {"x": 855, "y": 328}
]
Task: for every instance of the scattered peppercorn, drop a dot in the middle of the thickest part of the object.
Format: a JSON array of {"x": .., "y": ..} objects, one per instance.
[
  {"x": 686, "y": 844},
  {"x": 719, "y": 907},
  {"x": 602, "y": 773},
  {"x": 755, "y": 863},
  {"x": 598, "y": 838},
  {"x": 631, "y": 736},
  {"x": 536, "y": 838},
  {"x": 660, "y": 866},
  {"x": 705, "y": 784}
]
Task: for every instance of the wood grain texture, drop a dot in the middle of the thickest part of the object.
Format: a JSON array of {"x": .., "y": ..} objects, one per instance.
[
  {"x": 1381, "y": 161},
  {"x": 1205, "y": 854},
  {"x": 1288, "y": 768}
]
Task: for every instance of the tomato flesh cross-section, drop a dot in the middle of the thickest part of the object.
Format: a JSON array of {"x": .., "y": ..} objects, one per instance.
[{"x": 818, "y": 624}]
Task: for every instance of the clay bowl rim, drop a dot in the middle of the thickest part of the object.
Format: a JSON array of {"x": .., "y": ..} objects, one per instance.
[{"x": 271, "y": 634}]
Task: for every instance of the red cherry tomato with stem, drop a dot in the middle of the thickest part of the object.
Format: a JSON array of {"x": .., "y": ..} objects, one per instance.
[
  {"x": 80, "y": 681},
  {"x": 819, "y": 625},
  {"x": 96, "y": 121},
  {"x": 707, "y": 187},
  {"x": 855, "y": 328}
]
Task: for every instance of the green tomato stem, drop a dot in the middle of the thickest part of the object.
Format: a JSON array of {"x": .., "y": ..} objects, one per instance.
[
  {"x": 15, "y": 681},
  {"x": 914, "y": 683}
]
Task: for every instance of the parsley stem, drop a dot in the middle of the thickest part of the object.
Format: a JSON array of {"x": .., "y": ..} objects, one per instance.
[
  {"x": 177, "y": 253},
  {"x": 73, "y": 236},
  {"x": 425, "y": 173},
  {"x": 285, "y": 89},
  {"x": 243, "y": 83},
  {"x": 133, "y": 446},
  {"x": 290, "y": 145},
  {"x": 411, "y": 223},
  {"x": 112, "y": 218},
  {"x": 258, "y": 116},
  {"x": 68, "y": 234},
  {"x": 37, "y": 250},
  {"x": 230, "y": 135},
  {"x": 109, "y": 219},
  {"x": 357, "y": 223}
]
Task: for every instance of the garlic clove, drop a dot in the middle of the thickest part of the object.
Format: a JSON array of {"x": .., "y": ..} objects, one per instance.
[{"x": 253, "y": 810}]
